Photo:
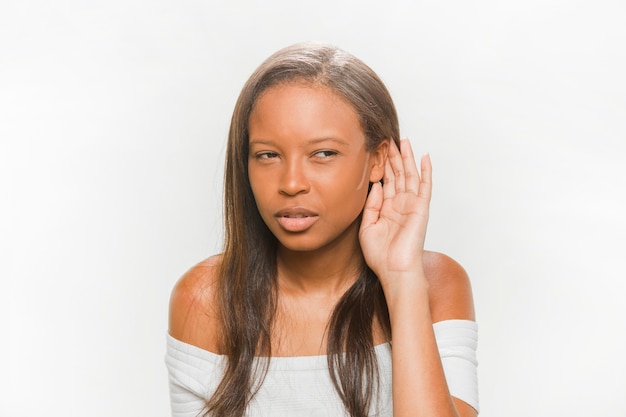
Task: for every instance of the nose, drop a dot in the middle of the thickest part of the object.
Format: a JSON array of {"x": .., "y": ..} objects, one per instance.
[{"x": 294, "y": 179}]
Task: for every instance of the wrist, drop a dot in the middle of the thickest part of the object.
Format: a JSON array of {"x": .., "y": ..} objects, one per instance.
[
  {"x": 405, "y": 288},
  {"x": 407, "y": 309}
]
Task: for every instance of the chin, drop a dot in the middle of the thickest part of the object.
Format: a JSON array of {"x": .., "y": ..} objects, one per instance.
[
  {"x": 311, "y": 244},
  {"x": 315, "y": 239},
  {"x": 301, "y": 246}
]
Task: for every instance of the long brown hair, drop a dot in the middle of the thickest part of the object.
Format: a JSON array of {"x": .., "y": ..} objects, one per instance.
[{"x": 247, "y": 293}]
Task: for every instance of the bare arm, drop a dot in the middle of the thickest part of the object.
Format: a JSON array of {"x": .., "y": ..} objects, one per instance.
[
  {"x": 415, "y": 353},
  {"x": 420, "y": 287}
]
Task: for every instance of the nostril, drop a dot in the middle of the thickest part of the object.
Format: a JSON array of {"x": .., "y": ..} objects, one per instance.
[{"x": 294, "y": 182}]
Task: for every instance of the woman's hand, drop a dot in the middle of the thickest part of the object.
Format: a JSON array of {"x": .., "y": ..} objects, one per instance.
[{"x": 395, "y": 217}]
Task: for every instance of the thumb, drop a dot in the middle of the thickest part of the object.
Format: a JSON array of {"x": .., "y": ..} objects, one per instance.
[{"x": 374, "y": 201}]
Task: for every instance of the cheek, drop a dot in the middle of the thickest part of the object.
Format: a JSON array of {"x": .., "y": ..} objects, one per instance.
[
  {"x": 259, "y": 200},
  {"x": 364, "y": 181},
  {"x": 256, "y": 186},
  {"x": 350, "y": 192},
  {"x": 354, "y": 179}
]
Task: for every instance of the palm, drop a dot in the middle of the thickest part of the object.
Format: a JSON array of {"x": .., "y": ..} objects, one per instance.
[{"x": 396, "y": 215}]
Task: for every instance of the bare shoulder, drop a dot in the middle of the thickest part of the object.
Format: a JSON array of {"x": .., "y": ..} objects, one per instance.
[
  {"x": 193, "y": 313},
  {"x": 450, "y": 291}
]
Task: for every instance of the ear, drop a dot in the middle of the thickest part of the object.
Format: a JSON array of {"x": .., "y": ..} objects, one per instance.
[{"x": 378, "y": 158}]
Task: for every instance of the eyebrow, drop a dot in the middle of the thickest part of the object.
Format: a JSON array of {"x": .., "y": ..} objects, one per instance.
[{"x": 314, "y": 141}]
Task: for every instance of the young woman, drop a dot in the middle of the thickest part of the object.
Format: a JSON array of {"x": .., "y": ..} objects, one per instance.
[{"x": 324, "y": 301}]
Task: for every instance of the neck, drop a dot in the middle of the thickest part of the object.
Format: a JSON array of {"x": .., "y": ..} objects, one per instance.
[{"x": 329, "y": 270}]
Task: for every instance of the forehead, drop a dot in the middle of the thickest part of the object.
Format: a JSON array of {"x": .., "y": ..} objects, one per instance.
[
  {"x": 303, "y": 109},
  {"x": 300, "y": 88}
]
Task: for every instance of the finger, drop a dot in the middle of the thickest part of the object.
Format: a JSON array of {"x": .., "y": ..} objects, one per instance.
[
  {"x": 397, "y": 165},
  {"x": 426, "y": 182},
  {"x": 389, "y": 180},
  {"x": 412, "y": 177},
  {"x": 371, "y": 211}
]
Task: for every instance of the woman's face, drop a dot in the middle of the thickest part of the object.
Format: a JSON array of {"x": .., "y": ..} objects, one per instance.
[{"x": 308, "y": 165}]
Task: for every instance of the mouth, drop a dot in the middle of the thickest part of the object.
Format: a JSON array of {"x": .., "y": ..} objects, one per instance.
[
  {"x": 296, "y": 213},
  {"x": 296, "y": 219}
]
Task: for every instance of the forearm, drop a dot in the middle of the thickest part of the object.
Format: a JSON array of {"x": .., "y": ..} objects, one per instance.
[{"x": 419, "y": 383}]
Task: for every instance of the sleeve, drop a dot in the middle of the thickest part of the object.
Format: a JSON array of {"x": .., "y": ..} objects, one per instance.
[
  {"x": 191, "y": 374},
  {"x": 457, "y": 341}
]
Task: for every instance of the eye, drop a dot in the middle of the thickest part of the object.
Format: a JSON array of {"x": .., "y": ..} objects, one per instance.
[
  {"x": 265, "y": 155},
  {"x": 325, "y": 154}
]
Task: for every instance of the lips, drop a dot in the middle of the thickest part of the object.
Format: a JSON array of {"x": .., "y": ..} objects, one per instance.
[{"x": 296, "y": 219}]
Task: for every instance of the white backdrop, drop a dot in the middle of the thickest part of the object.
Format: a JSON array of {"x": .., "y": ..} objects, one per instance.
[{"x": 113, "y": 117}]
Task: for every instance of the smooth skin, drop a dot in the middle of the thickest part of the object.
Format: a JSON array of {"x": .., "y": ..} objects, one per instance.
[{"x": 308, "y": 160}]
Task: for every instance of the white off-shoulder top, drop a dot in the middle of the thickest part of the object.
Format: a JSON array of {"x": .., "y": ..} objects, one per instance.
[{"x": 301, "y": 386}]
